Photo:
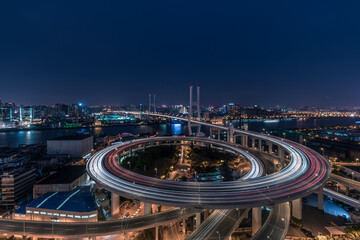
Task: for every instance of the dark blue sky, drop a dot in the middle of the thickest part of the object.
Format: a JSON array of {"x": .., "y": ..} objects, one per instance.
[{"x": 116, "y": 52}]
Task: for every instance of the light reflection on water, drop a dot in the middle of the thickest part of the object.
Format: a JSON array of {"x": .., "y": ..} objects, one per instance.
[{"x": 14, "y": 138}]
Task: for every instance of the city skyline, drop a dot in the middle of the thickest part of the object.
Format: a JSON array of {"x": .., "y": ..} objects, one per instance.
[{"x": 116, "y": 53}]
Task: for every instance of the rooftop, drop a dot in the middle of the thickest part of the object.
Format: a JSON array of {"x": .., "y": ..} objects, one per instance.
[
  {"x": 71, "y": 137},
  {"x": 78, "y": 200},
  {"x": 66, "y": 174}
]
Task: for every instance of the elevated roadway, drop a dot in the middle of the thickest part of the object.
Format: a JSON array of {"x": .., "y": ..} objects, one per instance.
[
  {"x": 219, "y": 225},
  {"x": 305, "y": 173},
  {"x": 276, "y": 225},
  {"x": 345, "y": 181},
  {"x": 343, "y": 198},
  {"x": 60, "y": 229}
]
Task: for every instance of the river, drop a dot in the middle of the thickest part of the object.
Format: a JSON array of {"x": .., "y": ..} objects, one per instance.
[{"x": 14, "y": 138}]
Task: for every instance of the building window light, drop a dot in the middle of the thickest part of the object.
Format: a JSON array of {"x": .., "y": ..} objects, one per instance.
[
  {"x": 56, "y": 214},
  {"x": 84, "y": 217},
  {"x": 62, "y": 215},
  {"x": 43, "y": 213},
  {"x": 94, "y": 215},
  {"x": 23, "y": 215},
  {"x": 36, "y": 212},
  {"x": 49, "y": 213},
  {"x": 16, "y": 215},
  {"x": 71, "y": 216},
  {"x": 28, "y": 211},
  {"x": 76, "y": 216}
]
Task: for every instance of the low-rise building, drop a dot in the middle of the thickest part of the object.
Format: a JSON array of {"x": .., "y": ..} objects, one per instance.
[
  {"x": 77, "y": 205},
  {"x": 65, "y": 179},
  {"x": 75, "y": 145}
]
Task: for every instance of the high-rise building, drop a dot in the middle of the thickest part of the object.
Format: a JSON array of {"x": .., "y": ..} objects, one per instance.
[
  {"x": 62, "y": 109},
  {"x": 6, "y": 114},
  {"x": 26, "y": 114}
]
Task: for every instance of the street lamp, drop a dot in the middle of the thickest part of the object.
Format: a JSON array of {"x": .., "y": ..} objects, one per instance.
[
  {"x": 357, "y": 160},
  {"x": 218, "y": 233},
  {"x": 323, "y": 151},
  {"x": 156, "y": 172},
  {"x": 284, "y": 134},
  {"x": 129, "y": 165},
  {"x": 352, "y": 173},
  {"x": 305, "y": 142}
]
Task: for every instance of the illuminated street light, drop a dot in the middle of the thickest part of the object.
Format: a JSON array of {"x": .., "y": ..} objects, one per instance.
[
  {"x": 218, "y": 233},
  {"x": 156, "y": 172}
]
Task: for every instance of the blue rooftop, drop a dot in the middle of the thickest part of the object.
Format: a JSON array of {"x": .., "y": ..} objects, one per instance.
[
  {"x": 21, "y": 209},
  {"x": 78, "y": 200}
]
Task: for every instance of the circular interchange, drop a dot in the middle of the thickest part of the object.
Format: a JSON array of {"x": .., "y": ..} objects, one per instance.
[{"x": 305, "y": 173}]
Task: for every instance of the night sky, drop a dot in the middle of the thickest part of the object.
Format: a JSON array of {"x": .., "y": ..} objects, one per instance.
[{"x": 116, "y": 52}]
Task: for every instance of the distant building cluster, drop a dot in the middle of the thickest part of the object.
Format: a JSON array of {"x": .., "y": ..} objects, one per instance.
[{"x": 80, "y": 115}]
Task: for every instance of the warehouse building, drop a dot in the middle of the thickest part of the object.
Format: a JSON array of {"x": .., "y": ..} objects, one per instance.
[
  {"x": 77, "y": 205},
  {"x": 64, "y": 180},
  {"x": 74, "y": 145}
]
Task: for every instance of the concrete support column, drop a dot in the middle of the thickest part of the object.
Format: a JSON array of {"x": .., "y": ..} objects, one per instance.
[
  {"x": 198, "y": 219},
  {"x": 210, "y": 132},
  {"x": 281, "y": 156},
  {"x": 321, "y": 198},
  {"x": 147, "y": 208},
  {"x": 256, "y": 220},
  {"x": 184, "y": 225},
  {"x": 246, "y": 141},
  {"x": 253, "y": 142},
  {"x": 115, "y": 203},
  {"x": 347, "y": 189},
  {"x": 156, "y": 233},
  {"x": 297, "y": 208},
  {"x": 144, "y": 147},
  {"x": 259, "y": 144},
  {"x": 218, "y": 134},
  {"x": 231, "y": 133},
  {"x": 270, "y": 148}
]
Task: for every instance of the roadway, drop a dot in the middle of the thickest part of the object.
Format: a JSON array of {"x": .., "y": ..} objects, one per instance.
[
  {"x": 74, "y": 229},
  {"x": 305, "y": 173},
  {"x": 343, "y": 198},
  {"x": 345, "y": 181},
  {"x": 276, "y": 225},
  {"x": 219, "y": 225}
]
